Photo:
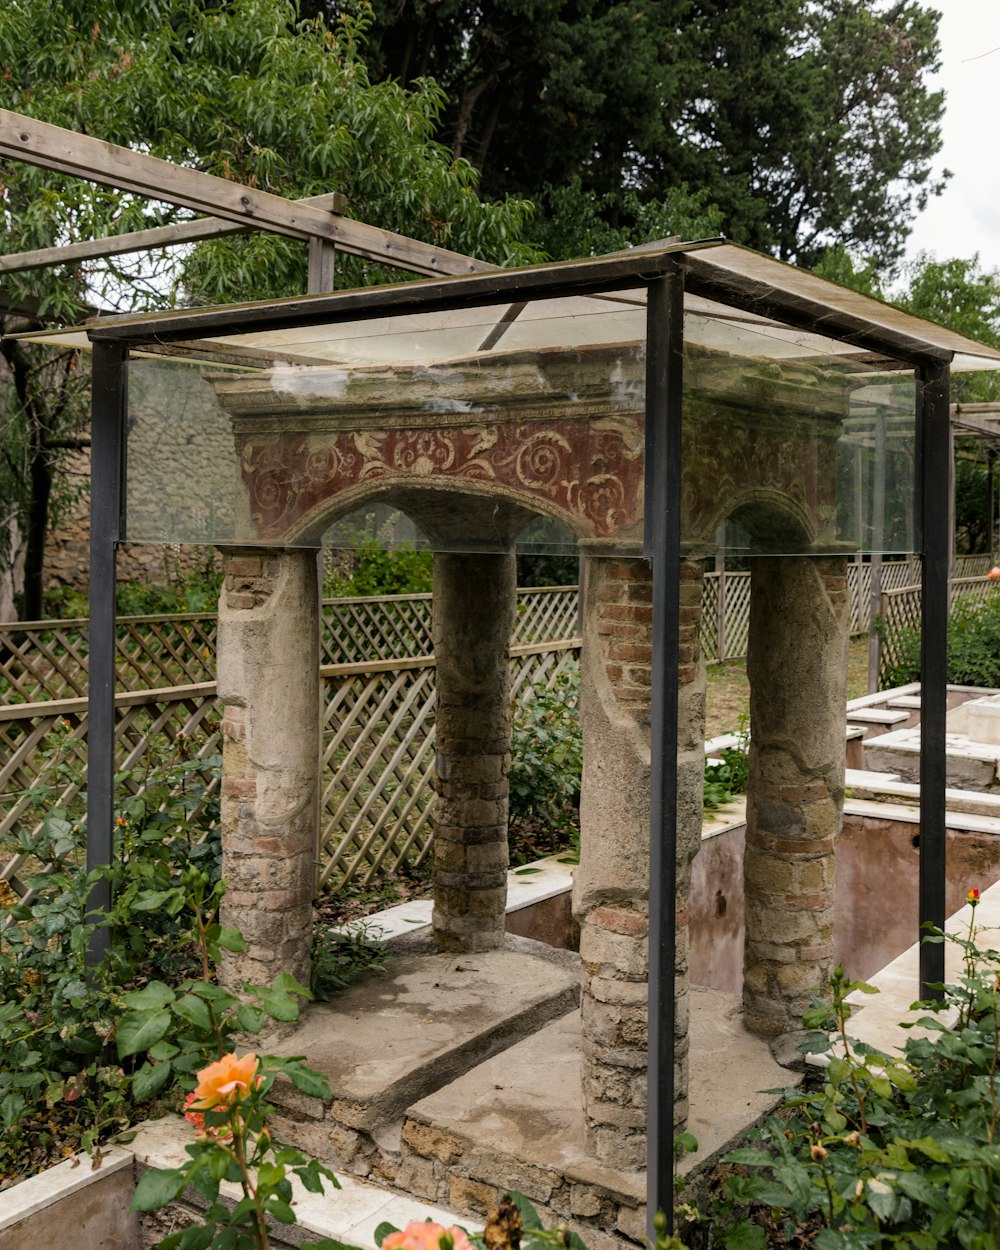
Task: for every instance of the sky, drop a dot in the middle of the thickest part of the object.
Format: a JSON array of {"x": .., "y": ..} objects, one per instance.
[{"x": 966, "y": 217}]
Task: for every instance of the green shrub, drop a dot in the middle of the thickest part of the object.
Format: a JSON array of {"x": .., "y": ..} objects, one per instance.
[
  {"x": 547, "y": 753},
  {"x": 973, "y": 647},
  {"x": 340, "y": 957},
  {"x": 59, "y": 1086},
  {"x": 727, "y": 780},
  {"x": 883, "y": 1151}
]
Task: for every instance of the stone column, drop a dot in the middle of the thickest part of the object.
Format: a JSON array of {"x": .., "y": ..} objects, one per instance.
[
  {"x": 799, "y": 627},
  {"x": 611, "y": 888},
  {"x": 268, "y": 676},
  {"x": 474, "y": 600}
]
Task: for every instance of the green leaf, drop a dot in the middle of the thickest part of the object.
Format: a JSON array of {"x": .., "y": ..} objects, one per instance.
[
  {"x": 285, "y": 982},
  {"x": 309, "y": 1082},
  {"x": 930, "y": 1147},
  {"x": 231, "y": 940},
  {"x": 744, "y": 1236},
  {"x": 197, "y": 1237},
  {"x": 280, "y": 1211},
  {"x": 250, "y": 1018},
  {"x": 139, "y": 1031},
  {"x": 205, "y": 1182},
  {"x": 195, "y": 1012},
  {"x": 163, "y": 1050},
  {"x": 278, "y": 1005},
  {"x": 383, "y": 1230},
  {"x": 529, "y": 1216},
  {"x": 881, "y": 1198},
  {"x": 156, "y": 1188},
  {"x": 154, "y": 997},
  {"x": 749, "y": 1157},
  {"x": 269, "y": 1174},
  {"x": 150, "y": 1078},
  {"x": 312, "y": 1175}
]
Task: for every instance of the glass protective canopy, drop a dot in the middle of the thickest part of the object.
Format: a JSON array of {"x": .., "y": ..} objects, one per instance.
[
  {"x": 509, "y": 409},
  {"x": 479, "y": 428}
]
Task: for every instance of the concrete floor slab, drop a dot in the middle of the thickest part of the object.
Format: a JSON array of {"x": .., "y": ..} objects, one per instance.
[{"x": 392, "y": 1039}]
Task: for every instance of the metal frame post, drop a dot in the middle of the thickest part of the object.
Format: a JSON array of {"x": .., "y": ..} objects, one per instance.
[
  {"x": 934, "y": 447},
  {"x": 664, "y": 362},
  {"x": 107, "y": 478}
]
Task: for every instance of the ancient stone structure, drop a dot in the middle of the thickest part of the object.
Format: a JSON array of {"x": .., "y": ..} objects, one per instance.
[
  {"x": 267, "y": 678},
  {"x": 472, "y": 455}
]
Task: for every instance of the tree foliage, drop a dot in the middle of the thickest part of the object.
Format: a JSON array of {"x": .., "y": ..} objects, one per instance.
[
  {"x": 806, "y": 122},
  {"x": 244, "y": 89}
]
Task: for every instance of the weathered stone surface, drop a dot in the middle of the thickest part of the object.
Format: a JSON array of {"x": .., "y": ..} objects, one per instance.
[
  {"x": 797, "y": 664},
  {"x": 611, "y": 884},
  {"x": 474, "y": 600},
  {"x": 268, "y": 677}
]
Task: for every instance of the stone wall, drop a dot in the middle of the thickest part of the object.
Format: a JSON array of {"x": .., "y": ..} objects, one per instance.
[{"x": 611, "y": 895}]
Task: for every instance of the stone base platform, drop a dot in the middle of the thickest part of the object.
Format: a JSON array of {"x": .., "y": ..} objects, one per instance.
[
  {"x": 516, "y": 1122},
  {"x": 393, "y": 1039},
  {"x": 456, "y": 1078}
]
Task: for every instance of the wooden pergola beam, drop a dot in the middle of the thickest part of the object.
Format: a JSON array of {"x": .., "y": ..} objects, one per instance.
[
  {"x": 144, "y": 240},
  {"x": 82, "y": 156}
]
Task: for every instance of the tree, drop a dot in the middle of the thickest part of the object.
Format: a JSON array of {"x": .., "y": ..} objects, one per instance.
[
  {"x": 807, "y": 122},
  {"x": 962, "y": 295},
  {"x": 244, "y": 89}
]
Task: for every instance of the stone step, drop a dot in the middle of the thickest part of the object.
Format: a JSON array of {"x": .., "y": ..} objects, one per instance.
[
  {"x": 516, "y": 1122},
  {"x": 877, "y": 716},
  {"x": 394, "y": 1038},
  {"x": 865, "y": 784},
  {"x": 969, "y": 765}
]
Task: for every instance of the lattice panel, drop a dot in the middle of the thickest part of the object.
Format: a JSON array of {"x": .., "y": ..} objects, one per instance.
[
  {"x": 737, "y": 615},
  {"x": 378, "y": 761},
  {"x": 356, "y": 630},
  {"x": 900, "y": 613},
  {"x": 545, "y": 614},
  {"x": 897, "y": 574},
  {"x": 43, "y": 660},
  {"x": 154, "y": 652},
  {"x": 971, "y": 566},
  {"x": 45, "y": 748},
  {"x": 709, "y": 625}
]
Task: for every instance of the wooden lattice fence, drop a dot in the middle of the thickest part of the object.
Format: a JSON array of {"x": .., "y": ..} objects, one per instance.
[
  {"x": 725, "y": 604},
  {"x": 48, "y": 659},
  {"x": 900, "y": 606},
  {"x": 378, "y": 726}
]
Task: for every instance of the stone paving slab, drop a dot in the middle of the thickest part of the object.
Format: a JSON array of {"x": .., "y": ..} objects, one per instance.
[
  {"x": 392, "y": 1039},
  {"x": 516, "y": 1122}
]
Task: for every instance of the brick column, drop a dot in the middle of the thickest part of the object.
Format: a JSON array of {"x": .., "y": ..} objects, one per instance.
[
  {"x": 611, "y": 889},
  {"x": 797, "y": 663},
  {"x": 268, "y": 676},
  {"x": 474, "y": 600}
]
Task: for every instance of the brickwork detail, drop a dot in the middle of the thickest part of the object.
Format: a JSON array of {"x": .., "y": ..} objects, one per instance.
[
  {"x": 799, "y": 623},
  {"x": 611, "y": 889},
  {"x": 474, "y": 598},
  {"x": 269, "y": 686}
]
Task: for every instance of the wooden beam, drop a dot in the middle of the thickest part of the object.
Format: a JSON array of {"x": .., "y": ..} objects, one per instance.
[
  {"x": 978, "y": 425},
  {"x": 81, "y": 156},
  {"x": 143, "y": 240}
]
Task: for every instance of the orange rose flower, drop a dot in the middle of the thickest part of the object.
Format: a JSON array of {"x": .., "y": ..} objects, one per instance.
[
  {"x": 426, "y": 1236},
  {"x": 972, "y": 896},
  {"x": 224, "y": 1082},
  {"x": 994, "y": 573}
]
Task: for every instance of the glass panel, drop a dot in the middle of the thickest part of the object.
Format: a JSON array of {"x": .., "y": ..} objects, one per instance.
[
  {"x": 793, "y": 445},
  {"x": 489, "y": 429},
  {"x": 519, "y": 425}
]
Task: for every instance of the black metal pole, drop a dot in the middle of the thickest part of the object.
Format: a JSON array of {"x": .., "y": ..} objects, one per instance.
[
  {"x": 934, "y": 448},
  {"x": 664, "y": 361},
  {"x": 107, "y": 456}
]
